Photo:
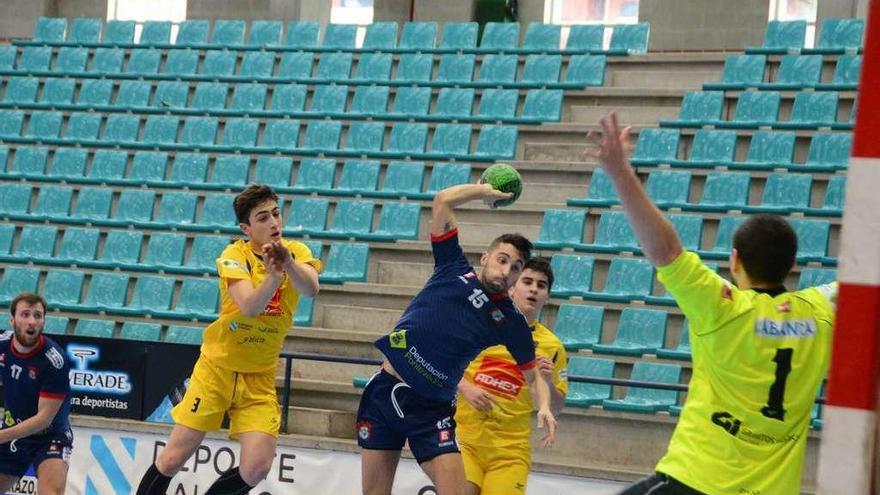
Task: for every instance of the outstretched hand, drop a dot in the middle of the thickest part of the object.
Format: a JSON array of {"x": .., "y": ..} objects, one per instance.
[
  {"x": 612, "y": 148},
  {"x": 493, "y": 195},
  {"x": 276, "y": 257},
  {"x": 546, "y": 420}
]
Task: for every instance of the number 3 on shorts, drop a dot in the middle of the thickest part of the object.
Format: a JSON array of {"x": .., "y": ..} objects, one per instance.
[{"x": 196, "y": 403}]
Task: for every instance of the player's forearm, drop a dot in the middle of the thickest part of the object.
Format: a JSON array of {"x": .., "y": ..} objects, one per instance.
[
  {"x": 255, "y": 301},
  {"x": 304, "y": 278},
  {"x": 655, "y": 233},
  {"x": 455, "y": 196},
  {"x": 28, "y": 427},
  {"x": 542, "y": 390},
  {"x": 557, "y": 400}
]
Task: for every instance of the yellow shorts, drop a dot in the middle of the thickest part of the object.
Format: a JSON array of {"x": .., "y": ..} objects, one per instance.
[
  {"x": 497, "y": 471},
  {"x": 249, "y": 398}
]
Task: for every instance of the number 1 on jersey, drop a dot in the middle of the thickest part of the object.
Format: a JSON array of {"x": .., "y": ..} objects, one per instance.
[{"x": 775, "y": 408}]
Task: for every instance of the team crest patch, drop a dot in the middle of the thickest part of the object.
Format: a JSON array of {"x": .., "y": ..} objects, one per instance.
[
  {"x": 726, "y": 293},
  {"x": 397, "y": 339},
  {"x": 32, "y": 372},
  {"x": 784, "y": 307},
  {"x": 233, "y": 326},
  {"x": 497, "y": 316},
  {"x": 444, "y": 438},
  {"x": 363, "y": 430}
]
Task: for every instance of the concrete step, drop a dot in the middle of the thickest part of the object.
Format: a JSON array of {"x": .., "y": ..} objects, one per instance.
[
  {"x": 635, "y": 115},
  {"x": 663, "y": 79}
]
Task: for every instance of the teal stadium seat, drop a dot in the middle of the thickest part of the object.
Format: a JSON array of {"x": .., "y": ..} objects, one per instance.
[
  {"x": 288, "y": 98},
  {"x": 7, "y": 232},
  {"x": 785, "y": 193},
  {"x": 402, "y": 180},
  {"x": 542, "y": 105},
  {"x": 152, "y": 294},
  {"x": 796, "y": 72},
  {"x": 69, "y": 164},
  {"x": 283, "y": 135},
  {"x": 699, "y": 108},
  {"x": 171, "y": 94},
  {"x": 78, "y": 245},
  {"x": 275, "y": 170},
  {"x": 455, "y": 69},
  {"x": 165, "y": 250},
  {"x": 155, "y": 33},
  {"x": 34, "y": 59},
  {"x": 414, "y": 68},
  {"x": 418, "y": 36},
  {"x": 328, "y": 100},
  {"x": 199, "y": 131},
  {"x": 754, "y": 109},
  {"x": 724, "y": 191},
  {"x": 832, "y": 204},
  {"x": 600, "y": 191},
  {"x": 315, "y": 176},
  {"x": 628, "y": 280},
  {"x": 497, "y": 105},
  {"x": 8, "y": 53},
  {"x": 451, "y": 141},
  {"x": 541, "y": 71},
  {"x": 768, "y": 150},
  {"x": 782, "y": 37},
  {"x": 107, "y": 61},
  {"x": 811, "y": 277},
  {"x": 177, "y": 334},
  {"x": 406, "y": 140},
  {"x": 87, "y": 327},
  {"x": 237, "y": 134},
  {"x": 669, "y": 188},
  {"x": 585, "y": 38},
  {"x": 257, "y": 65},
  {"x": 630, "y": 38},
  {"x": 162, "y": 130},
  {"x": 499, "y": 37},
  {"x": 322, "y": 136},
  {"x": 53, "y": 203},
  {"x": 122, "y": 248},
  {"x": 192, "y": 32},
  {"x": 71, "y": 60},
  {"x": 303, "y": 313},
  {"x": 133, "y": 94},
  {"x": 10, "y": 123},
  {"x": 351, "y": 219},
  {"x": 813, "y": 241},
  {"x": 308, "y": 216},
  {"x": 302, "y": 34},
  {"x": 134, "y": 330},
  {"x": 542, "y": 38},
  {"x": 21, "y": 90},
  {"x": 644, "y": 400},
  {"x": 143, "y": 62},
  {"x": 218, "y": 214},
  {"x": 218, "y": 63},
  {"x": 16, "y": 280},
  {"x": 181, "y": 62},
  {"x": 93, "y": 204},
  {"x": 119, "y": 32},
  {"x": 639, "y": 332},
  {"x": 50, "y": 30},
  {"x": 135, "y": 207},
  {"x": 613, "y": 235},
  {"x": 176, "y": 209},
  {"x": 380, "y": 36},
  {"x": 839, "y": 36},
  {"x": 579, "y": 326},
  {"x": 44, "y": 126},
  {"x": 496, "y": 142},
  {"x": 656, "y": 146},
  {"x": 458, "y": 36},
  {"x": 412, "y": 102},
  {"x": 369, "y": 101},
  {"x": 574, "y": 274},
  {"x": 358, "y": 177},
  {"x": 265, "y": 33},
  {"x": 397, "y": 221},
  {"x": 37, "y": 242},
  {"x": 445, "y": 175},
  {"x": 740, "y": 72},
  {"x": 15, "y": 199},
  {"x": 374, "y": 68},
  {"x": 228, "y": 32},
  {"x": 106, "y": 292},
  {"x": 582, "y": 394},
  {"x": 682, "y": 350},
  {"x": 347, "y": 262},
  {"x": 561, "y": 229},
  {"x": 204, "y": 252},
  {"x": 339, "y": 37},
  {"x": 198, "y": 300},
  {"x": 709, "y": 149},
  {"x": 230, "y": 171},
  {"x": 56, "y": 325},
  {"x": 210, "y": 96},
  {"x": 364, "y": 138},
  {"x": 846, "y": 74},
  {"x": 497, "y": 70},
  {"x": 30, "y": 161},
  {"x": 296, "y": 66},
  {"x": 148, "y": 167},
  {"x": 83, "y": 128},
  {"x": 812, "y": 110}
]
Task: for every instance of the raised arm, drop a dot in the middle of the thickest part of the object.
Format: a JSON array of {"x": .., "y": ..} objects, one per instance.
[
  {"x": 445, "y": 201},
  {"x": 656, "y": 235}
]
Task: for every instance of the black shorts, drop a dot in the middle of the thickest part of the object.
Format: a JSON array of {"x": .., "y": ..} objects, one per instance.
[
  {"x": 390, "y": 413},
  {"x": 660, "y": 484}
]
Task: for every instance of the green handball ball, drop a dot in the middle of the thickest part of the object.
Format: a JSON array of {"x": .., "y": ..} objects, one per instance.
[{"x": 503, "y": 178}]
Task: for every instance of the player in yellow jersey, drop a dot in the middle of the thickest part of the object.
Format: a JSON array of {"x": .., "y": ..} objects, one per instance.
[
  {"x": 261, "y": 280},
  {"x": 759, "y": 352},
  {"x": 494, "y": 419}
]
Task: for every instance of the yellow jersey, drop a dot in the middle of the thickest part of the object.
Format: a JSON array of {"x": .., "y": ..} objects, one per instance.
[
  {"x": 759, "y": 358},
  {"x": 250, "y": 344},
  {"x": 495, "y": 371}
]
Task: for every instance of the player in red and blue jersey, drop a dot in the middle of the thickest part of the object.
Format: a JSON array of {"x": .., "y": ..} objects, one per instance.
[
  {"x": 36, "y": 390},
  {"x": 456, "y": 315}
]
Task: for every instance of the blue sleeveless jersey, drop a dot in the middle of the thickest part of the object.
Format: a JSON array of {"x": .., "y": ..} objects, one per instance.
[{"x": 449, "y": 322}]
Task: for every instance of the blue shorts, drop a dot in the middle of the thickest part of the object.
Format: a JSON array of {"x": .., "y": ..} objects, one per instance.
[
  {"x": 17, "y": 456},
  {"x": 390, "y": 414}
]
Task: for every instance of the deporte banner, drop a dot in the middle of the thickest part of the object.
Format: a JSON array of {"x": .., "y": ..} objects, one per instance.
[{"x": 107, "y": 462}]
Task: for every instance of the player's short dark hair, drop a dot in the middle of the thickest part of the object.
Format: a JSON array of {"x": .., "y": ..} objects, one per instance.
[
  {"x": 28, "y": 297},
  {"x": 252, "y": 196},
  {"x": 523, "y": 245},
  {"x": 542, "y": 265},
  {"x": 767, "y": 247}
]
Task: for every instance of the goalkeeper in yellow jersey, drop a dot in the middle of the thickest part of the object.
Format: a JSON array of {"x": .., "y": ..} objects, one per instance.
[
  {"x": 759, "y": 352},
  {"x": 261, "y": 279},
  {"x": 495, "y": 406}
]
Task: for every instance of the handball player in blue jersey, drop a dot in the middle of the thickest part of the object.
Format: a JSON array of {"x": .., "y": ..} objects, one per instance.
[
  {"x": 456, "y": 315},
  {"x": 36, "y": 399}
]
